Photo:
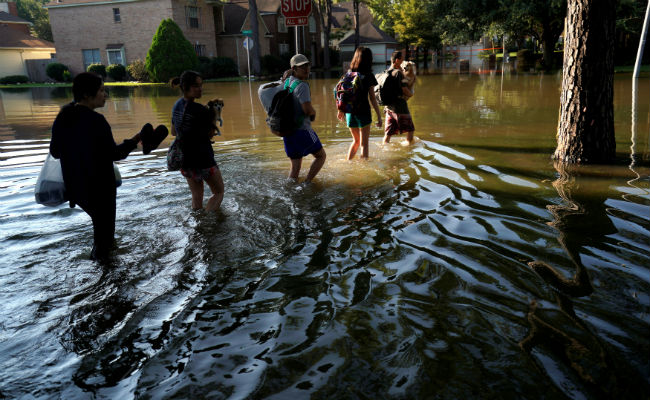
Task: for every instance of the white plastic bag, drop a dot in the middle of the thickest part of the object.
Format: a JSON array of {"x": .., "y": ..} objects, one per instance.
[
  {"x": 50, "y": 189},
  {"x": 118, "y": 176}
]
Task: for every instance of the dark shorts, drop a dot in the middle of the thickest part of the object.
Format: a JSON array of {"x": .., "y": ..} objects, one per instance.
[
  {"x": 357, "y": 121},
  {"x": 199, "y": 174},
  {"x": 397, "y": 123},
  {"x": 303, "y": 142}
]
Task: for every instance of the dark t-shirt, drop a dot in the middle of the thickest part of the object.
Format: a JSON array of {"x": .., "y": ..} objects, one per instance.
[
  {"x": 363, "y": 103},
  {"x": 192, "y": 124},
  {"x": 83, "y": 140},
  {"x": 400, "y": 106}
]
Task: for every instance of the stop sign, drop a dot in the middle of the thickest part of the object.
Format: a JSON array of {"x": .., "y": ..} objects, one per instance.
[{"x": 295, "y": 8}]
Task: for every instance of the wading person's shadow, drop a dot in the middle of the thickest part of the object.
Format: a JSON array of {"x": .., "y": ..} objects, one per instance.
[{"x": 581, "y": 221}]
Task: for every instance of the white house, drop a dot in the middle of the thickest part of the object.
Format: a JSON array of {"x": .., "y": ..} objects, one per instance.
[{"x": 17, "y": 46}]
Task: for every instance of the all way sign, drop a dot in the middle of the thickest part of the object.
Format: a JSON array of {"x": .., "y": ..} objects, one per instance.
[{"x": 296, "y": 12}]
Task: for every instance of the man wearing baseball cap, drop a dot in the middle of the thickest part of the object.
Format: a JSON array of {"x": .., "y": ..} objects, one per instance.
[{"x": 304, "y": 140}]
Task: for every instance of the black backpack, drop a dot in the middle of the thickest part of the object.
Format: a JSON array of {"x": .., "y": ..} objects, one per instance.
[
  {"x": 282, "y": 114},
  {"x": 388, "y": 88}
]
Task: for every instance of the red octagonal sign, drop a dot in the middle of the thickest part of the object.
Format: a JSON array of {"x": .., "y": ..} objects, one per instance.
[{"x": 295, "y": 11}]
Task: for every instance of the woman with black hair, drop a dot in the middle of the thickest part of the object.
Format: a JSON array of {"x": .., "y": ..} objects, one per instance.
[
  {"x": 192, "y": 125},
  {"x": 83, "y": 140},
  {"x": 360, "y": 119}
]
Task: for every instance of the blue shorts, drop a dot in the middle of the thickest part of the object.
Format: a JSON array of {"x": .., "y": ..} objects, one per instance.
[
  {"x": 357, "y": 121},
  {"x": 303, "y": 142}
]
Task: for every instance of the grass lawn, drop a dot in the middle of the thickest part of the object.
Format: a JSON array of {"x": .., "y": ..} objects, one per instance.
[{"x": 133, "y": 83}]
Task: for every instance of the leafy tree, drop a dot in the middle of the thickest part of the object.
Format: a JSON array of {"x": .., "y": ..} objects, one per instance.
[
  {"x": 170, "y": 53},
  {"x": 33, "y": 11}
]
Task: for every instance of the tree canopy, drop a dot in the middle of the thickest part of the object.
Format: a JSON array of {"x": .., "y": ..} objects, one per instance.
[
  {"x": 170, "y": 53},
  {"x": 33, "y": 11}
]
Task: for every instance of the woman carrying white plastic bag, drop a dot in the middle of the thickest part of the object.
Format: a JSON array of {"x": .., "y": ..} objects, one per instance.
[
  {"x": 50, "y": 189},
  {"x": 82, "y": 139}
]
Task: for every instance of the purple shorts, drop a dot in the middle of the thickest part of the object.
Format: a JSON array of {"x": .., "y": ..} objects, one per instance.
[
  {"x": 199, "y": 174},
  {"x": 397, "y": 123}
]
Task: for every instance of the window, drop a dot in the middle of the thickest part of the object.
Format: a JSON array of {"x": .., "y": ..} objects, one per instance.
[
  {"x": 115, "y": 54},
  {"x": 91, "y": 56},
  {"x": 282, "y": 27},
  {"x": 199, "y": 49},
  {"x": 192, "y": 16},
  {"x": 312, "y": 24},
  {"x": 283, "y": 48},
  {"x": 116, "y": 15}
]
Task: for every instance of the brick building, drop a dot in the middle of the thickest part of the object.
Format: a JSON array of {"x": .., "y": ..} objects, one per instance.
[{"x": 120, "y": 31}]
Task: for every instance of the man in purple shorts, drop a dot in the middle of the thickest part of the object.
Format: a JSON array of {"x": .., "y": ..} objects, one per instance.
[
  {"x": 398, "y": 117},
  {"x": 304, "y": 140}
]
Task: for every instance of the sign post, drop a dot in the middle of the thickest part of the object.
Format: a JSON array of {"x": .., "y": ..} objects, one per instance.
[
  {"x": 296, "y": 13},
  {"x": 248, "y": 44}
]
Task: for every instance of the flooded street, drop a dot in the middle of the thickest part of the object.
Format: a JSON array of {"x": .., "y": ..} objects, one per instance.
[{"x": 466, "y": 266}]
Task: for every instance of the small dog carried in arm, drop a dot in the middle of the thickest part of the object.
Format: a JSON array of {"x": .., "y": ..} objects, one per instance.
[
  {"x": 410, "y": 75},
  {"x": 214, "y": 109}
]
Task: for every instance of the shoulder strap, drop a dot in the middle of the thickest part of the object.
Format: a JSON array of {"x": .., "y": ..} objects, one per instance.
[{"x": 293, "y": 86}]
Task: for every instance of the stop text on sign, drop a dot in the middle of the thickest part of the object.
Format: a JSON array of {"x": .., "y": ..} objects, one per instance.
[{"x": 295, "y": 8}]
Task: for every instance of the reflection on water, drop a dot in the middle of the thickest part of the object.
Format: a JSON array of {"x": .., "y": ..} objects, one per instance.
[{"x": 466, "y": 266}]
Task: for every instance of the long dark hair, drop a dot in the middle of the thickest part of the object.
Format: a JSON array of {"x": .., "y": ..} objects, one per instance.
[
  {"x": 186, "y": 80},
  {"x": 86, "y": 84},
  {"x": 362, "y": 60}
]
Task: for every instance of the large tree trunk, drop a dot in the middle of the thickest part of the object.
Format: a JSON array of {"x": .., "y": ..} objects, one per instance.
[
  {"x": 586, "y": 124},
  {"x": 255, "y": 51},
  {"x": 355, "y": 3},
  {"x": 549, "y": 38},
  {"x": 325, "y": 13}
]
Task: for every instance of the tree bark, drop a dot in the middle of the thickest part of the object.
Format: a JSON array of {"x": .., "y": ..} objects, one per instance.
[
  {"x": 355, "y": 4},
  {"x": 255, "y": 51},
  {"x": 550, "y": 35},
  {"x": 325, "y": 13},
  {"x": 586, "y": 123}
]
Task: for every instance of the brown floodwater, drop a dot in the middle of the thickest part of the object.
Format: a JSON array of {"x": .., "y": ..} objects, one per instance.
[{"x": 468, "y": 265}]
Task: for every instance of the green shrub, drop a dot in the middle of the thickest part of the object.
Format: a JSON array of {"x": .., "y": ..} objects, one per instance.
[
  {"x": 117, "y": 72},
  {"x": 217, "y": 67},
  {"x": 272, "y": 63},
  {"x": 138, "y": 71},
  {"x": 56, "y": 70},
  {"x": 525, "y": 60},
  {"x": 97, "y": 68},
  {"x": 170, "y": 53},
  {"x": 224, "y": 66},
  {"x": 13, "y": 79},
  {"x": 67, "y": 76}
]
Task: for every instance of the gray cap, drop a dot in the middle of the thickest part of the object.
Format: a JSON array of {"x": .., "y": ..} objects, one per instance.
[{"x": 298, "y": 60}]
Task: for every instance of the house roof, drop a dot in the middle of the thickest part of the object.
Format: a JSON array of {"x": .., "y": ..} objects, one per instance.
[
  {"x": 341, "y": 10},
  {"x": 268, "y": 6},
  {"x": 236, "y": 17},
  {"x": 13, "y": 38},
  {"x": 369, "y": 33},
  {"x": 6, "y": 18}
]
